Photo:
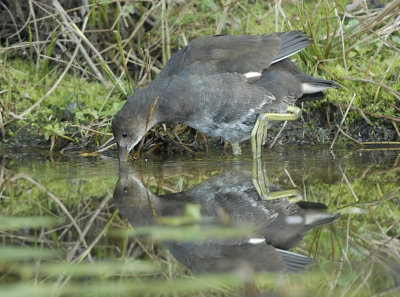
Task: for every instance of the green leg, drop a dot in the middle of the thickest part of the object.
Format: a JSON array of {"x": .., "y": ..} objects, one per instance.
[
  {"x": 257, "y": 135},
  {"x": 236, "y": 148},
  {"x": 261, "y": 183},
  {"x": 259, "y": 130}
]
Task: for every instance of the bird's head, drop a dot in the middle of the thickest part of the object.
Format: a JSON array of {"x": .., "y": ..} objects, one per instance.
[{"x": 128, "y": 127}]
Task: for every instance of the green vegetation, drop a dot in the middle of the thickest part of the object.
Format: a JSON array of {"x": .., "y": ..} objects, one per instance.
[{"x": 61, "y": 85}]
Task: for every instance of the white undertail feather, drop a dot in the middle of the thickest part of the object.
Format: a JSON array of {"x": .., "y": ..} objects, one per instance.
[
  {"x": 310, "y": 88},
  {"x": 315, "y": 217},
  {"x": 252, "y": 74},
  {"x": 256, "y": 240},
  {"x": 294, "y": 220}
]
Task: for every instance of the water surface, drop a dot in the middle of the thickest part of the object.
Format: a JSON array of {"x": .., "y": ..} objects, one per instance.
[{"x": 327, "y": 223}]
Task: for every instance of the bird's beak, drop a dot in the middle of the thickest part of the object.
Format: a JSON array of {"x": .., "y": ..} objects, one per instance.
[{"x": 123, "y": 154}]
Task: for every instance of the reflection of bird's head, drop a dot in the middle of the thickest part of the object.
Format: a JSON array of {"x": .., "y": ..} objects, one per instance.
[
  {"x": 132, "y": 198},
  {"x": 129, "y": 186}
]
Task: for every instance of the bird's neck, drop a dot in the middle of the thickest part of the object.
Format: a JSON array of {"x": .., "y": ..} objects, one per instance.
[
  {"x": 156, "y": 107},
  {"x": 147, "y": 101}
]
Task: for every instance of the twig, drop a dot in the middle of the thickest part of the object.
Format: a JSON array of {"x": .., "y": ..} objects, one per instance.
[
  {"x": 2, "y": 130},
  {"x": 167, "y": 37},
  {"x": 395, "y": 93},
  {"x": 20, "y": 46},
  {"x": 342, "y": 122},
  {"x": 105, "y": 148},
  {"x": 348, "y": 136},
  {"x": 75, "y": 31},
  {"x": 374, "y": 114},
  {"x": 223, "y": 17},
  {"x": 390, "y": 10},
  {"x": 394, "y": 289},
  {"x": 32, "y": 13},
  {"x": 277, "y": 135},
  {"x": 163, "y": 30},
  {"x": 396, "y": 128},
  {"x": 91, "y": 130},
  {"x": 13, "y": 21},
  {"x": 290, "y": 178},
  {"x": 348, "y": 184},
  {"x": 341, "y": 38},
  {"x": 364, "y": 281},
  {"x": 88, "y": 225},
  {"x": 140, "y": 23},
  {"x": 140, "y": 62}
]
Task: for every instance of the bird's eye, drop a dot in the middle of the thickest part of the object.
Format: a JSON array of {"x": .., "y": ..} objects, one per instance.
[{"x": 124, "y": 134}]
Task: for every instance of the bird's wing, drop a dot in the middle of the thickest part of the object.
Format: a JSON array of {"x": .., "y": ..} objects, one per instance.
[
  {"x": 222, "y": 98},
  {"x": 227, "y": 255},
  {"x": 242, "y": 53}
]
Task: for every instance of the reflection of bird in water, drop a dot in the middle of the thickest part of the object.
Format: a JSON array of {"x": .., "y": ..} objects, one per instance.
[{"x": 279, "y": 224}]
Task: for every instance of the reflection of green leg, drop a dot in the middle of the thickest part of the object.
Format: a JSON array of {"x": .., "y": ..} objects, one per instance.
[
  {"x": 259, "y": 130},
  {"x": 258, "y": 178},
  {"x": 261, "y": 183},
  {"x": 293, "y": 195},
  {"x": 236, "y": 148}
]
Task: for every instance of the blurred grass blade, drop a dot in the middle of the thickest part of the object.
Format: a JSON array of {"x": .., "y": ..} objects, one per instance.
[
  {"x": 189, "y": 233},
  {"x": 18, "y": 253},
  {"x": 102, "y": 268},
  {"x": 31, "y": 222}
]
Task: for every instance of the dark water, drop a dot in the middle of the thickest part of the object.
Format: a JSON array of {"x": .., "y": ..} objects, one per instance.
[{"x": 300, "y": 222}]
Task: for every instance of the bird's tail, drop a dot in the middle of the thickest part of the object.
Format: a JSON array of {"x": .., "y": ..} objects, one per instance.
[
  {"x": 316, "y": 214},
  {"x": 294, "y": 262},
  {"x": 313, "y": 88}
]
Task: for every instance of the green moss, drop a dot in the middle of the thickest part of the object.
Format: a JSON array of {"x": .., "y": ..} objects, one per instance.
[
  {"x": 27, "y": 86},
  {"x": 54, "y": 116}
]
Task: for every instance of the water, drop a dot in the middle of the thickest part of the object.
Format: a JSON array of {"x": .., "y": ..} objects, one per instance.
[{"x": 328, "y": 224}]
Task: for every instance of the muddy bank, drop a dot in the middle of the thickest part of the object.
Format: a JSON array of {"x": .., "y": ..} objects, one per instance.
[{"x": 317, "y": 126}]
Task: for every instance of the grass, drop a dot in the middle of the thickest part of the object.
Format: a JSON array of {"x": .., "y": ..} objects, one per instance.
[{"x": 65, "y": 84}]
